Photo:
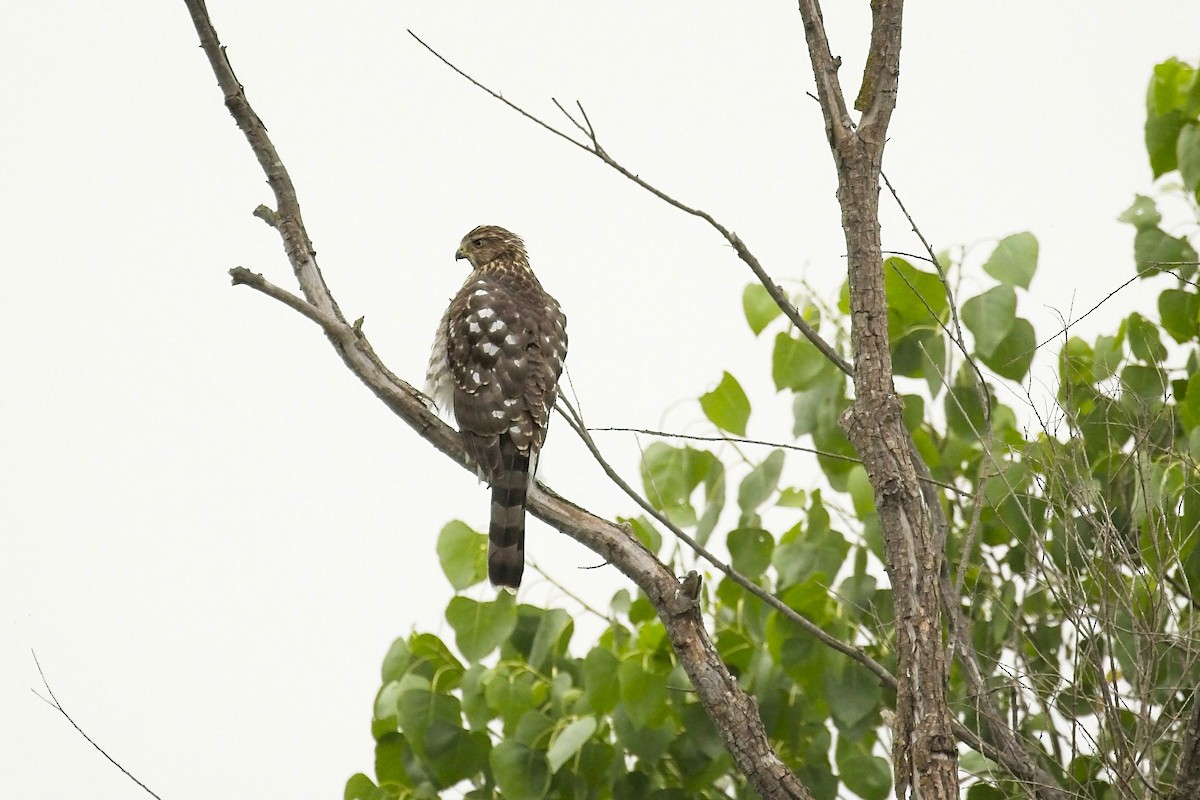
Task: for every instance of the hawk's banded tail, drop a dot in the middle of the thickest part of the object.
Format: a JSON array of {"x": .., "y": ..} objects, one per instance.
[{"x": 506, "y": 536}]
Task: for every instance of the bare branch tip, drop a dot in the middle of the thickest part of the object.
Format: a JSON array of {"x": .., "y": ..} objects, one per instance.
[
  {"x": 241, "y": 275},
  {"x": 267, "y": 215}
]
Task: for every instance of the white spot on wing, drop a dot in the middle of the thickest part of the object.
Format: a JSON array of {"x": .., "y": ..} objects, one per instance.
[
  {"x": 498, "y": 414},
  {"x": 489, "y": 349},
  {"x": 473, "y": 326},
  {"x": 486, "y": 313},
  {"x": 480, "y": 292},
  {"x": 475, "y": 376},
  {"x": 497, "y": 326},
  {"x": 510, "y": 339},
  {"x": 509, "y": 402}
]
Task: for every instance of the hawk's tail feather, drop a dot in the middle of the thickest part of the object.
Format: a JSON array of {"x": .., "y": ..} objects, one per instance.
[{"x": 506, "y": 536}]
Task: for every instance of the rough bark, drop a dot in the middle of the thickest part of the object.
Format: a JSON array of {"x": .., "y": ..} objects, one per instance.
[{"x": 924, "y": 750}]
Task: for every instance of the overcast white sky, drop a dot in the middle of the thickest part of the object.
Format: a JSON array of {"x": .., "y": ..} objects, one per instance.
[{"x": 210, "y": 531}]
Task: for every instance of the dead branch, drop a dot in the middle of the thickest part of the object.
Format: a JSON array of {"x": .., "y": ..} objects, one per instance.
[{"x": 733, "y": 712}]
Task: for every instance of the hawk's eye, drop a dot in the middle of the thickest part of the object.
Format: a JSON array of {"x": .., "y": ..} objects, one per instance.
[{"x": 477, "y": 242}]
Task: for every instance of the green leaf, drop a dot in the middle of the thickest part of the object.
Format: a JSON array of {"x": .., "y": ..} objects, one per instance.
[
  {"x": 916, "y": 299},
  {"x": 1170, "y": 86},
  {"x": 1162, "y": 135},
  {"x": 857, "y": 692},
  {"x": 1109, "y": 352},
  {"x": 804, "y": 554},
  {"x": 862, "y": 494},
  {"x": 1142, "y": 214},
  {"x": 865, "y": 774},
  {"x": 390, "y": 752},
  {"x": 521, "y": 773},
  {"x": 647, "y": 742},
  {"x": 795, "y": 363},
  {"x": 856, "y": 593},
  {"x": 1144, "y": 341},
  {"x": 750, "y": 549},
  {"x": 645, "y": 531},
  {"x": 921, "y": 354},
  {"x": 758, "y": 306},
  {"x": 1168, "y": 105},
  {"x": 552, "y": 637},
  {"x": 1179, "y": 311},
  {"x": 479, "y": 628},
  {"x": 395, "y": 663},
  {"x": 1155, "y": 250},
  {"x": 599, "y": 667},
  {"x": 817, "y": 409},
  {"x": 964, "y": 412},
  {"x": 727, "y": 405},
  {"x": 714, "y": 500},
  {"x": 1014, "y": 354},
  {"x": 474, "y": 697},
  {"x": 761, "y": 482},
  {"x": 533, "y": 729},
  {"x": 670, "y": 474},
  {"x": 1188, "y": 154},
  {"x": 463, "y": 555},
  {"x": 1148, "y": 383},
  {"x": 792, "y": 498},
  {"x": 432, "y": 659},
  {"x": 1014, "y": 260},
  {"x": 570, "y": 741},
  {"x": 360, "y": 787},
  {"x": 643, "y": 689},
  {"x": 432, "y": 724},
  {"x": 990, "y": 316},
  {"x": 1076, "y": 362},
  {"x": 1189, "y": 406}
]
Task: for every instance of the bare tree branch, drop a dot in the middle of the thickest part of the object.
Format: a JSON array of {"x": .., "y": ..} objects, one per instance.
[
  {"x": 57, "y": 706},
  {"x": 733, "y": 712},
  {"x": 923, "y": 751}
]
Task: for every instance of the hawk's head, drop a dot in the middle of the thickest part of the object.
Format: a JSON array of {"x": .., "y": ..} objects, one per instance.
[{"x": 488, "y": 243}]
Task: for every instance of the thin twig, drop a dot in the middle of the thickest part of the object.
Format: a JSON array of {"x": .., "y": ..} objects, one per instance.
[
  {"x": 57, "y": 706},
  {"x": 1155, "y": 267},
  {"x": 782, "y": 445}
]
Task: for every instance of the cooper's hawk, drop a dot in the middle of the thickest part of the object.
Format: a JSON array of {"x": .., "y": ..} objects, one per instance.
[{"x": 496, "y": 360}]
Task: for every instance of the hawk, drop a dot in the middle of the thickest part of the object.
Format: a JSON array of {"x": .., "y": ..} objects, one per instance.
[{"x": 496, "y": 360}]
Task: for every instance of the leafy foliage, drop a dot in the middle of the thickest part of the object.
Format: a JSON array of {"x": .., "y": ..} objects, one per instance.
[{"x": 1073, "y": 536}]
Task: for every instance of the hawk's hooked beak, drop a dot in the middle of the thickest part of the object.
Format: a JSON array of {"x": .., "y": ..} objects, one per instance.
[{"x": 460, "y": 254}]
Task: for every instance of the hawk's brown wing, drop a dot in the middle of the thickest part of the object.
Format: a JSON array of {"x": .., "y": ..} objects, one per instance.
[{"x": 506, "y": 341}]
